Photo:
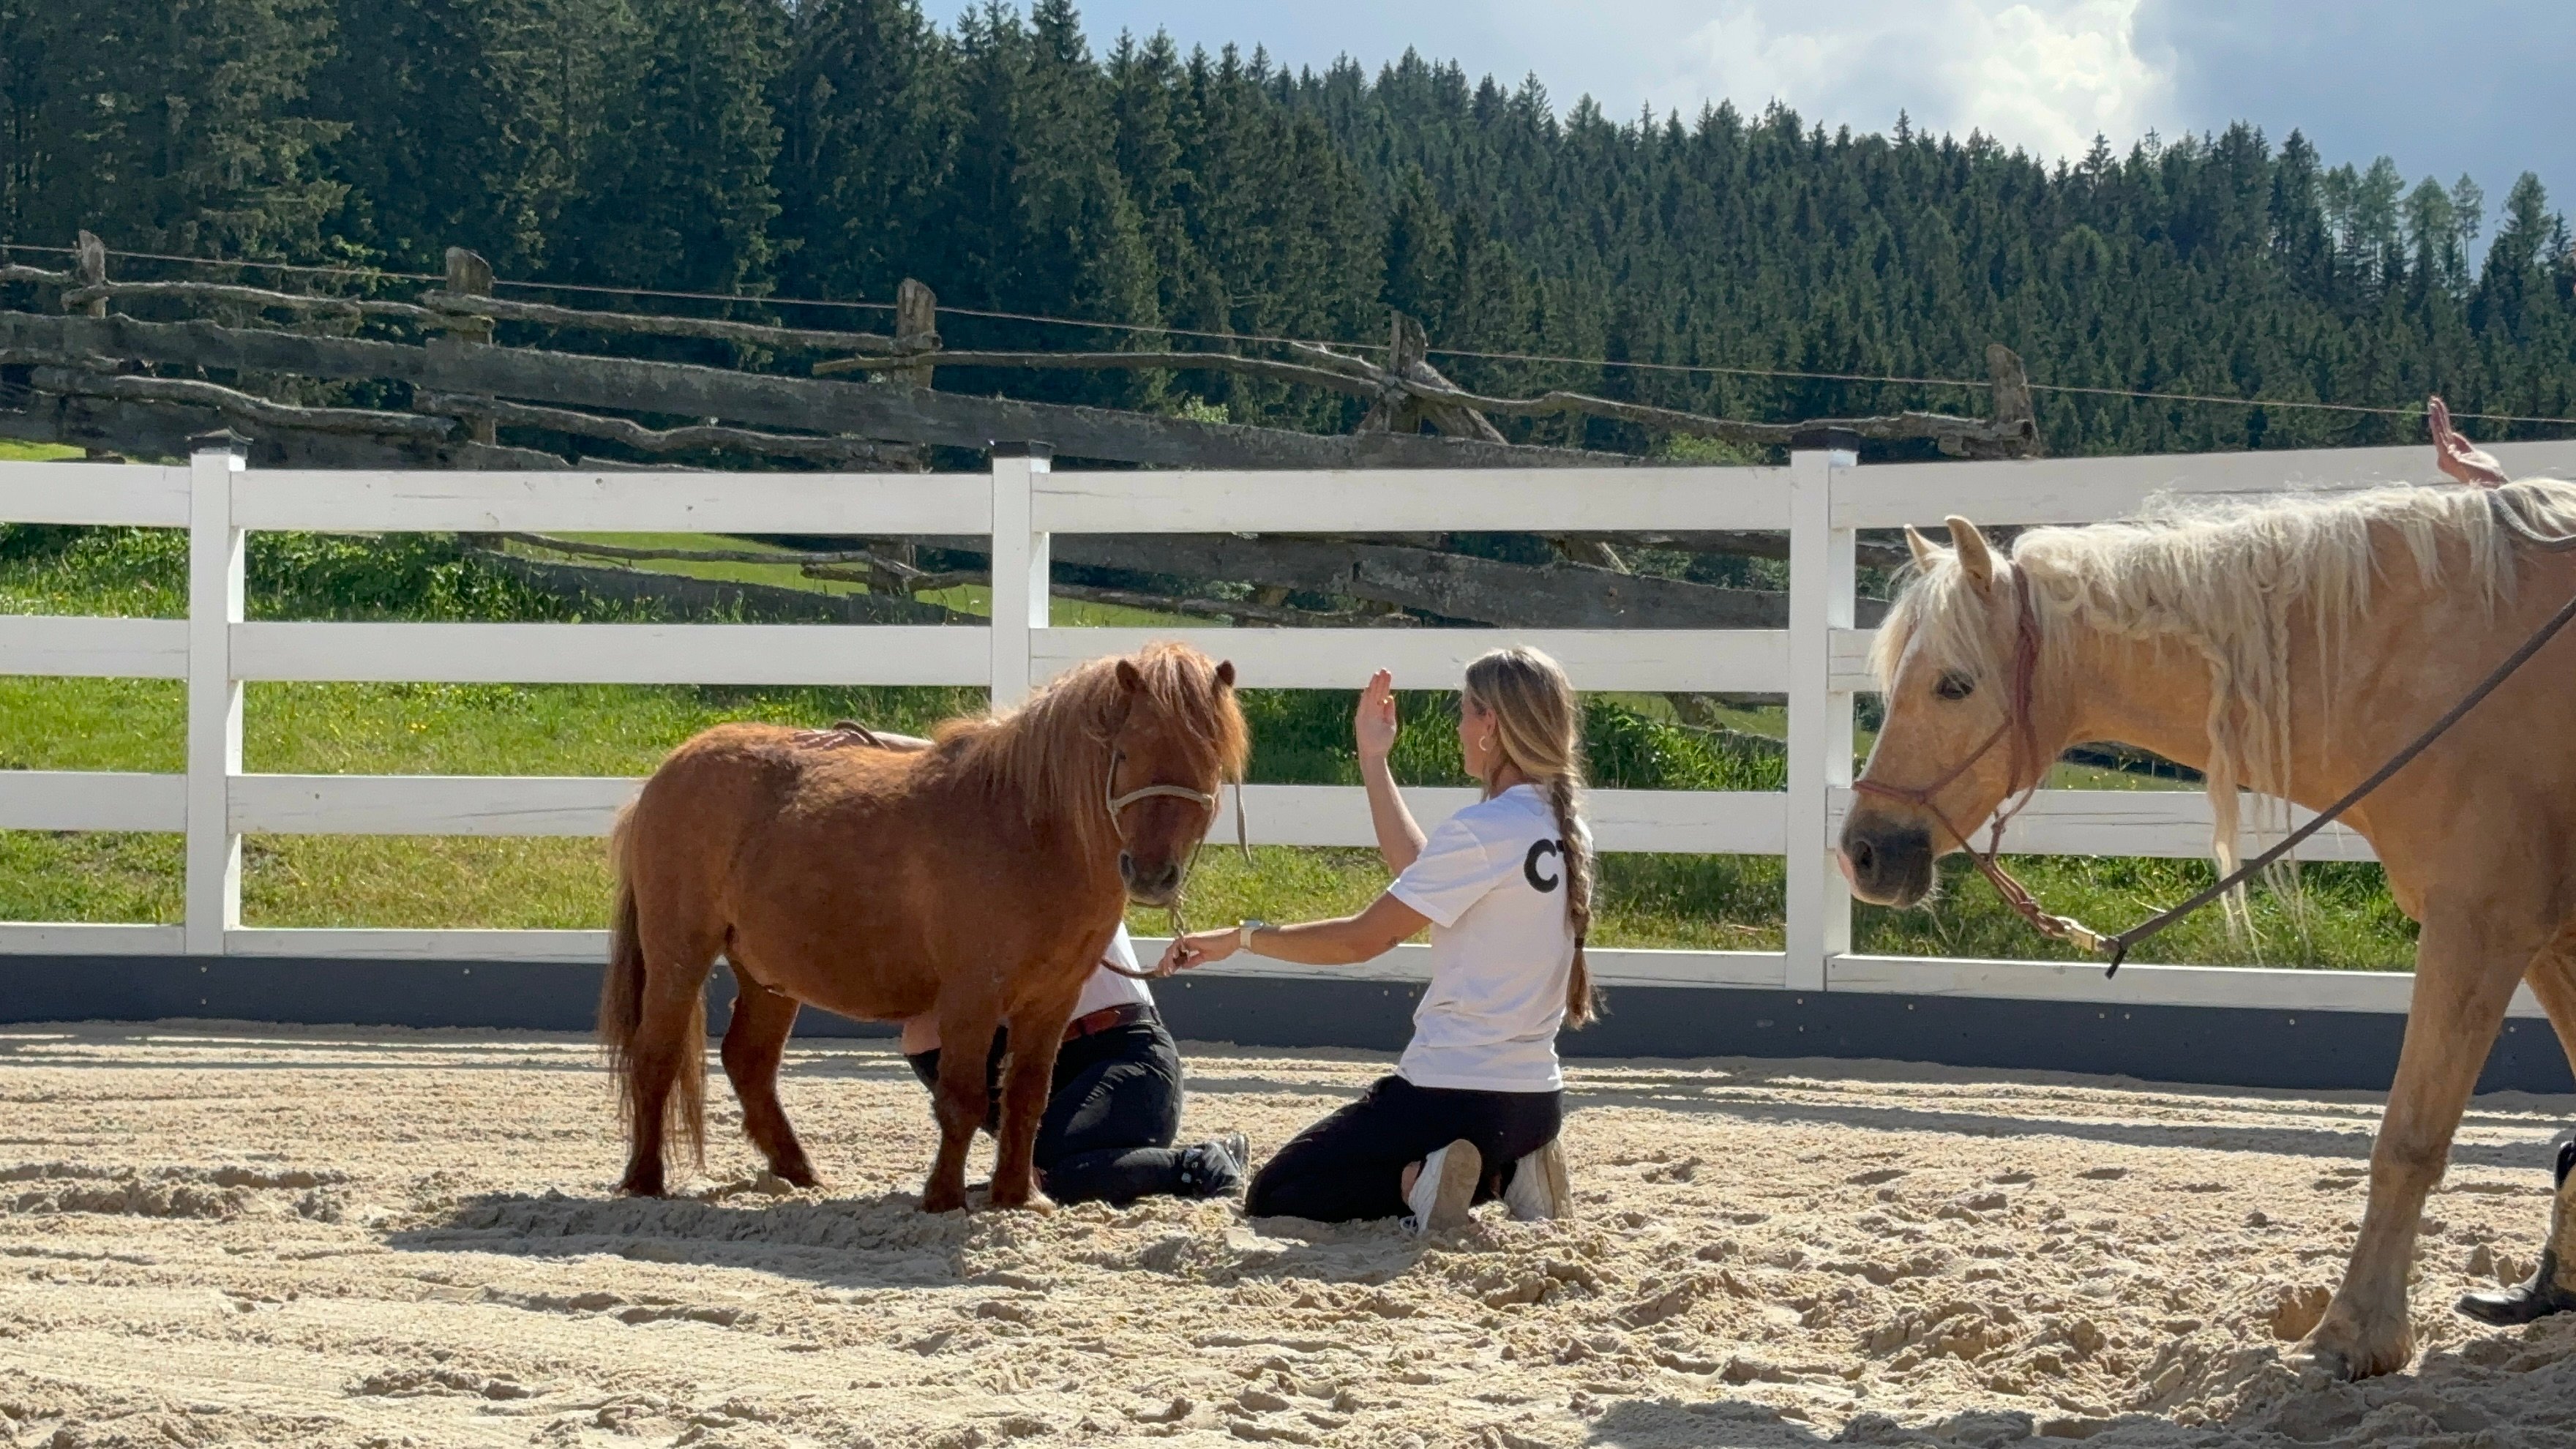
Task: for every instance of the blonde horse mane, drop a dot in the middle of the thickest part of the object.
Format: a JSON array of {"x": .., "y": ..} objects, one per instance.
[
  {"x": 2225, "y": 581},
  {"x": 1053, "y": 750}
]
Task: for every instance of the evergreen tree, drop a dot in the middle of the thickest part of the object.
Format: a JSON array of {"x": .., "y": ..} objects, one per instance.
[
  {"x": 171, "y": 125},
  {"x": 868, "y": 106},
  {"x": 674, "y": 191},
  {"x": 447, "y": 141}
]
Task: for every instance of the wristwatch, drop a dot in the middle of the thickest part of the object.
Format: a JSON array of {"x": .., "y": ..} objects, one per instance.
[{"x": 1243, "y": 934}]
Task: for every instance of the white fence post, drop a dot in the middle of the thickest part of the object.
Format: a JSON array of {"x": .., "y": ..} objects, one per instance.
[
  {"x": 215, "y": 576},
  {"x": 1020, "y": 567},
  {"x": 1822, "y": 575}
]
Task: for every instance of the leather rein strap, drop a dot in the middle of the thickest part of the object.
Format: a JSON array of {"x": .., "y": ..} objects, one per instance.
[
  {"x": 1117, "y": 803},
  {"x": 2015, "y": 726}
]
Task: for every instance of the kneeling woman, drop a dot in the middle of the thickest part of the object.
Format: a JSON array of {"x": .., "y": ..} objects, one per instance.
[
  {"x": 1474, "y": 1105},
  {"x": 1115, "y": 1105}
]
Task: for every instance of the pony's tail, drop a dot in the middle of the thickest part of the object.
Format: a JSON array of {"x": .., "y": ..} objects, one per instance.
[
  {"x": 621, "y": 1011},
  {"x": 621, "y": 991}
]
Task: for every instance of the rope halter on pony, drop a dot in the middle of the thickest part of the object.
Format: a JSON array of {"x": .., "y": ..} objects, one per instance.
[
  {"x": 2016, "y": 725},
  {"x": 1117, "y": 802}
]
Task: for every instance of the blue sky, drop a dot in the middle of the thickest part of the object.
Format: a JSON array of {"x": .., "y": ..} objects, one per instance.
[{"x": 2475, "y": 86}]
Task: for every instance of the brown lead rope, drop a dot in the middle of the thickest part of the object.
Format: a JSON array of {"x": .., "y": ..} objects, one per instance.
[{"x": 2120, "y": 944}]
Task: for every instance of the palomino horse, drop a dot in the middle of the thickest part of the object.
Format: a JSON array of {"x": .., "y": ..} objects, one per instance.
[
  {"x": 978, "y": 879},
  {"x": 2288, "y": 648}
]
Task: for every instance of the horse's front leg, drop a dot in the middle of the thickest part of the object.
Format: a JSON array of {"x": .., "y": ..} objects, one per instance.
[
  {"x": 959, "y": 1102},
  {"x": 1026, "y": 1084},
  {"x": 2465, "y": 971}
]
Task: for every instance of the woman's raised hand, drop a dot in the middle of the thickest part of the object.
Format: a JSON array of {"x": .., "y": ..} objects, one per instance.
[{"x": 1373, "y": 727}]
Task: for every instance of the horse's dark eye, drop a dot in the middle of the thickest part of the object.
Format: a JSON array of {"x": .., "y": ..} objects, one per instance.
[{"x": 1954, "y": 685}]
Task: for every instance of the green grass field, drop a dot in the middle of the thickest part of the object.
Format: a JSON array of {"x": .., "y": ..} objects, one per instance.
[{"x": 2342, "y": 917}]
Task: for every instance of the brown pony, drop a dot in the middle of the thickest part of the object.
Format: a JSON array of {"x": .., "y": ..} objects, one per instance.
[
  {"x": 2286, "y": 648},
  {"x": 978, "y": 879}
]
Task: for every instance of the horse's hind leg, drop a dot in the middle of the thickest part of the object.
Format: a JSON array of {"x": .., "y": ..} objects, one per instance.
[
  {"x": 753, "y": 1045},
  {"x": 662, "y": 1051}
]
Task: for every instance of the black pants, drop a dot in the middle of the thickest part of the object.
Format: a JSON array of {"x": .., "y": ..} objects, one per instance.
[
  {"x": 1110, "y": 1118},
  {"x": 1346, "y": 1168}
]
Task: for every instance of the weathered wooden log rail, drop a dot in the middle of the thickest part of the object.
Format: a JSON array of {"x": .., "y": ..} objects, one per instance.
[{"x": 122, "y": 384}]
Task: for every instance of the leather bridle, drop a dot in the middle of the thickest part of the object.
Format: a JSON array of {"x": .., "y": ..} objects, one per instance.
[{"x": 2018, "y": 727}]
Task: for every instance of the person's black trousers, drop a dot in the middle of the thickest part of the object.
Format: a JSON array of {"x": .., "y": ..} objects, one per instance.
[
  {"x": 1110, "y": 1120},
  {"x": 1347, "y": 1167}
]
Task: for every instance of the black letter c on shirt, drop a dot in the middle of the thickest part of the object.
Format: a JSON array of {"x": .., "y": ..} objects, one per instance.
[{"x": 1529, "y": 865}]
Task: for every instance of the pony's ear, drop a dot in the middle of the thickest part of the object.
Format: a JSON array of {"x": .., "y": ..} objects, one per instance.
[
  {"x": 1130, "y": 678},
  {"x": 1921, "y": 547},
  {"x": 1225, "y": 673},
  {"x": 1975, "y": 559}
]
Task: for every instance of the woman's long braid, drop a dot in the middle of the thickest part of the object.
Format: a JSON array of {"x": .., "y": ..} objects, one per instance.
[
  {"x": 1539, "y": 726},
  {"x": 1565, "y": 797}
]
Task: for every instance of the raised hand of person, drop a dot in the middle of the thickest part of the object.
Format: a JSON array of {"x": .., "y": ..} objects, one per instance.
[
  {"x": 1373, "y": 727},
  {"x": 2461, "y": 459}
]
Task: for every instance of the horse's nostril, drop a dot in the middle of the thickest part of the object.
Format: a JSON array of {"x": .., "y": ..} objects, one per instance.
[
  {"x": 1862, "y": 856},
  {"x": 1126, "y": 866}
]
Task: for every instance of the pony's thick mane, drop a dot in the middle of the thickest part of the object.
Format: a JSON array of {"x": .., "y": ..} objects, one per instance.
[
  {"x": 2227, "y": 581},
  {"x": 1052, "y": 752}
]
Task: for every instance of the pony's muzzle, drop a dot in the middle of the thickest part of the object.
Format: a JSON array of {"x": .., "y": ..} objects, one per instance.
[
  {"x": 1889, "y": 861},
  {"x": 1150, "y": 885}
]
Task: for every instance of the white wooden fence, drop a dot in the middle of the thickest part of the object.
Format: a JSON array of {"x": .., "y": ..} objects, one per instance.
[{"x": 1820, "y": 499}]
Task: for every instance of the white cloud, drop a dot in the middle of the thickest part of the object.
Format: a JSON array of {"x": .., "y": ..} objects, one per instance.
[{"x": 2045, "y": 74}]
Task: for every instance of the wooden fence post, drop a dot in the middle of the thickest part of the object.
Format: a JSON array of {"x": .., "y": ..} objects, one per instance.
[
  {"x": 215, "y": 587},
  {"x": 1822, "y": 580},
  {"x": 1020, "y": 566},
  {"x": 916, "y": 328},
  {"x": 89, "y": 260},
  {"x": 468, "y": 275}
]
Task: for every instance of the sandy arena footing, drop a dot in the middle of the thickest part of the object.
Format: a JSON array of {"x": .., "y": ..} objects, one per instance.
[{"x": 233, "y": 1235}]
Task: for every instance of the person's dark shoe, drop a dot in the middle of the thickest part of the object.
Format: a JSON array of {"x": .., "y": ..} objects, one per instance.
[
  {"x": 2552, "y": 1287},
  {"x": 1218, "y": 1167}
]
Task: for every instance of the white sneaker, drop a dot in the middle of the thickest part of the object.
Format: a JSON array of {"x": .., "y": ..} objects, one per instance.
[
  {"x": 1540, "y": 1189},
  {"x": 1445, "y": 1188}
]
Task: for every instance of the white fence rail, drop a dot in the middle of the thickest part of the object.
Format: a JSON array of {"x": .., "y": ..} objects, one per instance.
[{"x": 1820, "y": 499}]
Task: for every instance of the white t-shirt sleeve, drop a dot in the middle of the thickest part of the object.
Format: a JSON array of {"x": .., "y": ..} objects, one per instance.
[{"x": 1453, "y": 872}]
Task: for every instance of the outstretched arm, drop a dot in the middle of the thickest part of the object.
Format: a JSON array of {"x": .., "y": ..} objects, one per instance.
[
  {"x": 2458, "y": 457},
  {"x": 1341, "y": 941}
]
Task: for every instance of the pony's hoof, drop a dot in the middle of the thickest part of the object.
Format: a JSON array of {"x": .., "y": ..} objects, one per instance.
[
  {"x": 936, "y": 1201},
  {"x": 641, "y": 1184},
  {"x": 2342, "y": 1353},
  {"x": 796, "y": 1175},
  {"x": 1021, "y": 1197}
]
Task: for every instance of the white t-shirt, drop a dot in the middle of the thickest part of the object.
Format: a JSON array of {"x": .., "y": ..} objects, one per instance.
[
  {"x": 1492, "y": 881},
  {"x": 1107, "y": 988}
]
